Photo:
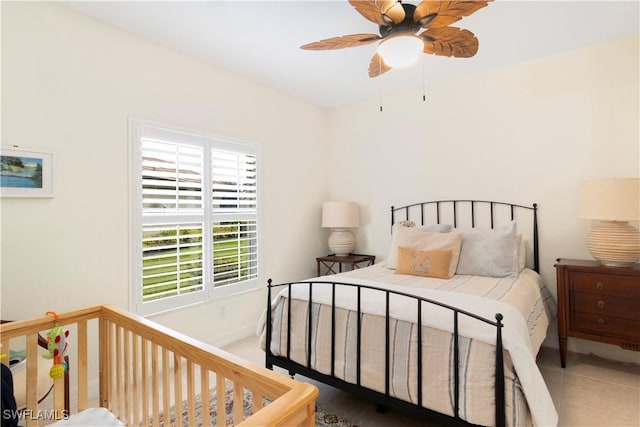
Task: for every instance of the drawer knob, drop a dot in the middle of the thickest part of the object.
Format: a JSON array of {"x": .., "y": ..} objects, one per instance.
[
  {"x": 601, "y": 322},
  {"x": 599, "y": 285},
  {"x": 600, "y": 304}
]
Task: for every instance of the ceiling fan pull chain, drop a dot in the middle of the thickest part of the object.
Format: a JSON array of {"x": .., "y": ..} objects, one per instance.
[
  {"x": 424, "y": 95},
  {"x": 380, "y": 94}
]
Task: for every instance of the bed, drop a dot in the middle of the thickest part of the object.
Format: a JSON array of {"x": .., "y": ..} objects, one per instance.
[
  {"x": 482, "y": 318},
  {"x": 127, "y": 370}
]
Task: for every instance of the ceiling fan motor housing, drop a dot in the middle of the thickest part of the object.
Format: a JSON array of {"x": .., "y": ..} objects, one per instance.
[{"x": 408, "y": 25}]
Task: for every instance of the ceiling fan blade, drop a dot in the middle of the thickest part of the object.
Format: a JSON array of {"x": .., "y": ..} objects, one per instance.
[
  {"x": 437, "y": 14},
  {"x": 342, "y": 42},
  {"x": 382, "y": 12},
  {"x": 450, "y": 41},
  {"x": 377, "y": 66}
]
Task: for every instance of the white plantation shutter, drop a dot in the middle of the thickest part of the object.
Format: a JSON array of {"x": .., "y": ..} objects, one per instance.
[
  {"x": 233, "y": 182},
  {"x": 235, "y": 252},
  {"x": 171, "y": 177},
  {"x": 195, "y": 216},
  {"x": 234, "y": 191},
  {"x": 172, "y": 260}
]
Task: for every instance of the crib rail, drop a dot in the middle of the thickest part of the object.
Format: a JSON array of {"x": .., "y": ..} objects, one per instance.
[{"x": 142, "y": 372}]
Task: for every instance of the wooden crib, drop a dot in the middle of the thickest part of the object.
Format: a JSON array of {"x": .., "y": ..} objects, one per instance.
[{"x": 141, "y": 372}]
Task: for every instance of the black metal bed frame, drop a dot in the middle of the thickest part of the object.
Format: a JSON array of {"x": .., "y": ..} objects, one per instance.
[{"x": 385, "y": 398}]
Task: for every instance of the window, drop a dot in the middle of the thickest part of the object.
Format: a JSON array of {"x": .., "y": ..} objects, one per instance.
[{"x": 194, "y": 217}]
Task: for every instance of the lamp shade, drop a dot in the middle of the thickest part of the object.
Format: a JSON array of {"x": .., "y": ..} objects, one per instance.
[
  {"x": 340, "y": 215},
  {"x": 616, "y": 199},
  {"x": 400, "y": 51}
]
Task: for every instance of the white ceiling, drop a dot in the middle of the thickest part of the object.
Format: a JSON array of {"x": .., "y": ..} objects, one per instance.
[{"x": 261, "y": 39}]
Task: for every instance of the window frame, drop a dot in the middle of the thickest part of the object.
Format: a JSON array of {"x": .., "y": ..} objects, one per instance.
[{"x": 139, "y": 129}]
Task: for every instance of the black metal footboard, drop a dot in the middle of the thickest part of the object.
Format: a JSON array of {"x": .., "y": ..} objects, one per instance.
[{"x": 356, "y": 388}]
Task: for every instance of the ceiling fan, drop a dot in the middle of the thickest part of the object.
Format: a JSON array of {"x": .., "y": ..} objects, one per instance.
[{"x": 425, "y": 26}]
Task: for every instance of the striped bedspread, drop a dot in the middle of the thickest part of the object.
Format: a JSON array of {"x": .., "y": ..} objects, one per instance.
[
  {"x": 524, "y": 301},
  {"x": 527, "y": 292}
]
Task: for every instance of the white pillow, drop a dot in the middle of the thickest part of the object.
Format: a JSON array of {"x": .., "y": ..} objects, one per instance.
[
  {"x": 522, "y": 254},
  {"x": 436, "y": 228},
  {"x": 489, "y": 252},
  {"x": 413, "y": 238},
  {"x": 402, "y": 227}
]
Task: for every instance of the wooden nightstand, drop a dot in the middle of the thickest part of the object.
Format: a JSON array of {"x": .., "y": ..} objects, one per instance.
[
  {"x": 354, "y": 260},
  {"x": 598, "y": 303}
]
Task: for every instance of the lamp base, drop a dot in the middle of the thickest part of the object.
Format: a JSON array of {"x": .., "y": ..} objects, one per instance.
[
  {"x": 341, "y": 241},
  {"x": 614, "y": 243}
]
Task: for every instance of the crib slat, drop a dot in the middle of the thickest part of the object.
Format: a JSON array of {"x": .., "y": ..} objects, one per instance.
[
  {"x": 145, "y": 383},
  {"x": 113, "y": 355},
  {"x": 136, "y": 389},
  {"x": 126, "y": 362},
  {"x": 238, "y": 400},
  {"x": 155, "y": 386},
  {"x": 166, "y": 397},
  {"x": 119, "y": 394},
  {"x": 205, "y": 397},
  {"x": 81, "y": 365},
  {"x": 103, "y": 326},
  {"x": 191, "y": 398},
  {"x": 32, "y": 378},
  {"x": 220, "y": 406},
  {"x": 58, "y": 397},
  {"x": 177, "y": 384},
  {"x": 258, "y": 401}
]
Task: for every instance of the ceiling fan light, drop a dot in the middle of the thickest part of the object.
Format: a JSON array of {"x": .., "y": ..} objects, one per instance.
[{"x": 400, "y": 51}]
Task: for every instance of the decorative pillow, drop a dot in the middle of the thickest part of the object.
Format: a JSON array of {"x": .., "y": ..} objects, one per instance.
[
  {"x": 424, "y": 263},
  {"x": 413, "y": 238},
  {"x": 400, "y": 228},
  {"x": 494, "y": 252}
]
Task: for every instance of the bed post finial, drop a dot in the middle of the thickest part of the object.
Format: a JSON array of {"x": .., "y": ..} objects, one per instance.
[
  {"x": 267, "y": 352},
  {"x": 392, "y": 219}
]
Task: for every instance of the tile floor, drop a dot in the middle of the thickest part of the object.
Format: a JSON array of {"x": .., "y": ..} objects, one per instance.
[{"x": 590, "y": 391}]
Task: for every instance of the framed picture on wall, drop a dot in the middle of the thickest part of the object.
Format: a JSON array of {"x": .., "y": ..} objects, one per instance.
[{"x": 25, "y": 173}]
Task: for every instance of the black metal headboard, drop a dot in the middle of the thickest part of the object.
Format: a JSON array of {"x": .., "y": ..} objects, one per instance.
[{"x": 470, "y": 213}]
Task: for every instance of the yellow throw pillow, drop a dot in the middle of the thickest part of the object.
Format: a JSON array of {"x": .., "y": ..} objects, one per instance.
[{"x": 424, "y": 263}]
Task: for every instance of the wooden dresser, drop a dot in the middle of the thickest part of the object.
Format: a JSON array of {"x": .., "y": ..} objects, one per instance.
[{"x": 598, "y": 303}]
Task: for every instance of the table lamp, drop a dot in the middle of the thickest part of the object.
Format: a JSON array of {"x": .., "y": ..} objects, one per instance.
[
  {"x": 340, "y": 216},
  {"x": 614, "y": 202}
]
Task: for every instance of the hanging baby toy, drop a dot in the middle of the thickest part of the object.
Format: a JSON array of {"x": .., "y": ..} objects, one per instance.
[{"x": 57, "y": 346}]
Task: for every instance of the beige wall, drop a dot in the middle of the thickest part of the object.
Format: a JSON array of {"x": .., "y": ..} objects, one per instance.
[
  {"x": 525, "y": 133},
  {"x": 69, "y": 84}
]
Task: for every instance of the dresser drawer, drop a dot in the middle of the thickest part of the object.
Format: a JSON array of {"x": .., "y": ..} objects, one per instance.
[
  {"x": 607, "y": 326},
  {"x": 610, "y": 284},
  {"x": 606, "y": 305},
  {"x": 598, "y": 303}
]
